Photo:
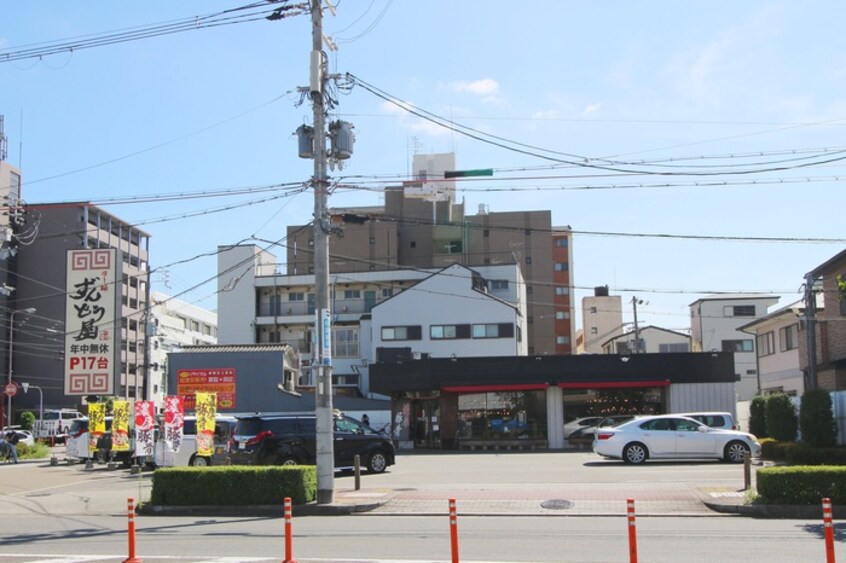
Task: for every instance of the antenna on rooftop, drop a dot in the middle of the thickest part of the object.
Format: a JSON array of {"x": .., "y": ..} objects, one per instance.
[{"x": 4, "y": 142}]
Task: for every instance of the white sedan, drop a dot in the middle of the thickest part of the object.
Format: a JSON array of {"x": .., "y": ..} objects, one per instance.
[{"x": 672, "y": 437}]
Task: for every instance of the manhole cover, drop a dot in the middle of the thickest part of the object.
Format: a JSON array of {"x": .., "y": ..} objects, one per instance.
[{"x": 557, "y": 504}]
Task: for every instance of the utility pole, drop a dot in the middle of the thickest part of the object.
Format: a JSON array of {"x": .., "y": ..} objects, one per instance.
[
  {"x": 322, "y": 362},
  {"x": 811, "y": 331},
  {"x": 635, "y": 303}
]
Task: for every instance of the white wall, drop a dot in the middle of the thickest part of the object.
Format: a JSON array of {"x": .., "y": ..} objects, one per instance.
[
  {"x": 237, "y": 267},
  {"x": 687, "y": 397}
]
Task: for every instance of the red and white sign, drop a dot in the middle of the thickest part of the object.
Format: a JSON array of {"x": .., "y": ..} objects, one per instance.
[{"x": 10, "y": 389}]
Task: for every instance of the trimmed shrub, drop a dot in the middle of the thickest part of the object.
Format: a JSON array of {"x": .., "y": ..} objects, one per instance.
[
  {"x": 816, "y": 419},
  {"x": 782, "y": 422},
  {"x": 234, "y": 485},
  {"x": 803, "y": 454},
  {"x": 758, "y": 417},
  {"x": 801, "y": 484},
  {"x": 773, "y": 450},
  {"x": 27, "y": 420}
]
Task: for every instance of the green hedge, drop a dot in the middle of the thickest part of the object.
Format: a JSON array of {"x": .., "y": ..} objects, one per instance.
[
  {"x": 233, "y": 485},
  {"x": 801, "y": 484},
  {"x": 800, "y": 453}
]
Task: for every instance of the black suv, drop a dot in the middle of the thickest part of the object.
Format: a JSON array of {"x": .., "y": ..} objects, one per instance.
[{"x": 290, "y": 439}]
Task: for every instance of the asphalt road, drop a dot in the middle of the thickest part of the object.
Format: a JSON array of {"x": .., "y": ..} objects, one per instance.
[{"x": 65, "y": 513}]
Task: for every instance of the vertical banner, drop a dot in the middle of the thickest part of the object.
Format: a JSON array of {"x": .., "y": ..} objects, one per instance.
[
  {"x": 96, "y": 424},
  {"x": 174, "y": 420},
  {"x": 120, "y": 427},
  {"x": 91, "y": 335},
  {"x": 145, "y": 427},
  {"x": 206, "y": 411},
  {"x": 325, "y": 329}
]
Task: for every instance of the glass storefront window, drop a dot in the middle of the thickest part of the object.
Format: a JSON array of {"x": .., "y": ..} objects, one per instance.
[{"x": 512, "y": 415}]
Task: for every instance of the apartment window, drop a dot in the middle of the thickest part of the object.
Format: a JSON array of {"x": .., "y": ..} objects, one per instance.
[
  {"x": 486, "y": 233},
  {"x": 413, "y": 244},
  {"x": 345, "y": 343},
  {"x": 593, "y": 309},
  {"x": 562, "y": 290},
  {"x": 372, "y": 241},
  {"x": 528, "y": 259},
  {"x": 594, "y": 330},
  {"x": 133, "y": 325},
  {"x": 562, "y": 315},
  {"x": 352, "y": 294},
  {"x": 195, "y": 326},
  {"x": 413, "y": 332},
  {"x": 744, "y": 345},
  {"x": 561, "y": 242},
  {"x": 673, "y": 347},
  {"x": 561, "y": 266},
  {"x": 443, "y": 332},
  {"x": 207, "y": 330},
  {"x": 529, "y": 290},
  {"x": 498, "y": 330},
  {"x": 296, "y": 296},
  {"x": 387, "y": 292},
  {"x": 739, "y": 311},
  {"x": 766, "y": 344},
  {"x": 498, "y": 284},
  {"x": 562, "y": 340},
  {"x": 788, "y": 337}
]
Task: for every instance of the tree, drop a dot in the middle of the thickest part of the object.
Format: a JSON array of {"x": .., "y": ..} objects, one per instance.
[
  {"x": 27, "y": 420},
  {"x": 816, "y": 419},
  {"x": 782, "y": 422},
  {"x": 758, "y": 416}
]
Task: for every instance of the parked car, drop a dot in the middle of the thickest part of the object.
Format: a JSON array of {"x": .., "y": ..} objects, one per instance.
[
  {"x": 187, "y": 454},
  {"x": 671, "y": 436},
  {"x": 77, "y": 444},
  {"x": 580, "y": 423},
  {"x": 24, "y": 436},
  {"x": 290, "y": 439},
  {"x": 585, "y": 434},
  {"x": 723, "y": 420}
]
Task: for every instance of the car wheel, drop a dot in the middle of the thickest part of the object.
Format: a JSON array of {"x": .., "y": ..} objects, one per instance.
[
  {"x": 288, "y": 460},
  {"x": 635, "y": 453},
  {"x": 199, "y": 461},
  {"x": 735, "y": 452},
  {"x": 377, "y": 462}
]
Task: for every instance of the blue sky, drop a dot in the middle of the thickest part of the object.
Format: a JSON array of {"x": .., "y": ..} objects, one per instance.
[{"x": 648, "y": 87}]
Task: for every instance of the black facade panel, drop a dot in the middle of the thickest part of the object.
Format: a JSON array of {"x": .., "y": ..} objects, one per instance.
[{"x": 432, "y": 374}]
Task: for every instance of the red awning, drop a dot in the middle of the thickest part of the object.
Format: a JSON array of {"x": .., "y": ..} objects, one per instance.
[
  {"x": 488, "y": 388},
  {"x": 613, "y": 384}
]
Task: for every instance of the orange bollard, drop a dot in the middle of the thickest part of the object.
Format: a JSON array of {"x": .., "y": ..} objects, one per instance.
[
  {"x": 131, "y": 513},
  {"x": 289, "y": 533},
  {"x": 829, "y": 530},
  {"x": 453, "y": 530},
  {"x": 632, "y": 531}
]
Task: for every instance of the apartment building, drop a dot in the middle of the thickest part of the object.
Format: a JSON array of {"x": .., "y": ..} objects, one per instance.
[
  {"x": 421, "y": 225},
  {"x": 42, "y": 275},
  {"x": 829, "y": 346},
  {"x": 455, "y": 311},
  {"x": 653, "y": 340},
  {"x": 777, "y": 349},
  {"x": 175, "y": 324},
  {"x": 602, "y": 319},
  {"x": 715, "y": 323}
]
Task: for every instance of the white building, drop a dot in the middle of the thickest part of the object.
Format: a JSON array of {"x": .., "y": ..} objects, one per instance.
[
  {"x": 175, "y": 324},
  {"x": 777, "y": 346},
  {"x": 715, "y": 323},
  {"x": 262, "y": 306},
  {"x": 653, "y": 340},
  {"x": 602, "y": 318}
]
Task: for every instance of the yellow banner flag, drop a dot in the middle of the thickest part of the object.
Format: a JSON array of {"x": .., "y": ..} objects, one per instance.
[
  {"x": 120, "y": 427},
  {"x": 96, "y": 424},
  {"x": 206, "y": 410}
]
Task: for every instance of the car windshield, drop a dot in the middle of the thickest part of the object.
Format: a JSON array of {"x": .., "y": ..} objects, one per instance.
[{"x": 248, "y": 426}]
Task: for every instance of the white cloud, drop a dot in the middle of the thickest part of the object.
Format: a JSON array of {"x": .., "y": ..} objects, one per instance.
[
  {"x": 592, "y": 108},
  {"x": 412, "y": 122},
  {"x": 487, "y": 87}
]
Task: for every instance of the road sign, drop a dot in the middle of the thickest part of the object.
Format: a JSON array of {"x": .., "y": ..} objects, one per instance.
[{"x": 10, "y": 389}]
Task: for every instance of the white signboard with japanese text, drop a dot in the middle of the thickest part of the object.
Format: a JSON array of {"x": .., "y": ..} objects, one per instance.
[{"x": 92, "y": 332}]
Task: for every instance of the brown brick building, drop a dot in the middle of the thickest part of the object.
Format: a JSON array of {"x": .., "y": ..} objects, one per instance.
[{"x": 830, "y": 326}]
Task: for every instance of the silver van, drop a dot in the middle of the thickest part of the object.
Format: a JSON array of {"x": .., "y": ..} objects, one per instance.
[
  {"x": 721, "y": 420},
  {"x": 187, "y": 454}
]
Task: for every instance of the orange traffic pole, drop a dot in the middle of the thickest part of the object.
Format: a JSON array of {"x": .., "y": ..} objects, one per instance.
[
  {"x": 289, "y": 533},
  {"x": 829, "y": 530},
  {"x": 131, "y": 514},
  {"x": 632, "y": 531},
  {"x": 453, "y": 530}
]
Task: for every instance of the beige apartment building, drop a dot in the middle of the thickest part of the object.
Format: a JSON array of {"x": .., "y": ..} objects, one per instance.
[{"x": 421, "y": 225}]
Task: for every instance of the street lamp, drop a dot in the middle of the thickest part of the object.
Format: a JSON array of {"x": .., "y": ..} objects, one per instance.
[{"x": 28, "y": 311}]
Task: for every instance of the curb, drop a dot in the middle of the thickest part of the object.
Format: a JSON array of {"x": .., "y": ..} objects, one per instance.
[
  {"x": 780, "y": 511},
  {"x": 268, "y": 510}
]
